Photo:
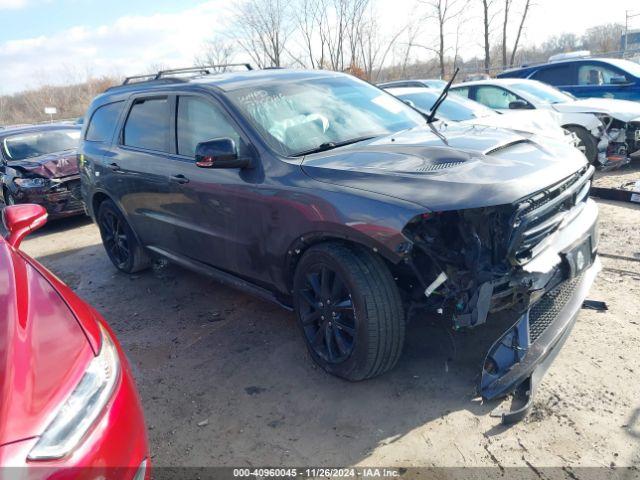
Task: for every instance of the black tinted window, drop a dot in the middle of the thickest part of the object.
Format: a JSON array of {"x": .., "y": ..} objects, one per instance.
[
  {"x": 558, "y": 75},
  {"x": 199, "y": 121},
  {"x": 103, "y": 122},
  {"x": 148, "y": 124}
]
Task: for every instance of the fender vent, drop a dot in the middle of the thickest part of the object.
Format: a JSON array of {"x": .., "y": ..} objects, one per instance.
[
  {"x": 438, "y": 166},
  {"x": 506, "y": 146}
]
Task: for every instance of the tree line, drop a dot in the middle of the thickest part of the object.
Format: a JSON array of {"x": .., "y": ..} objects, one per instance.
[{"x": 348, "y": 35}]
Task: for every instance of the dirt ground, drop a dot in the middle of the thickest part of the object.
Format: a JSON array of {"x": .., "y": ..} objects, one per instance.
[{"x": 225, "y": 378}]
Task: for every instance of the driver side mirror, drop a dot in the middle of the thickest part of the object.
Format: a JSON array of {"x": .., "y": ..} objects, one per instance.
[
  {"x": 519, "y": 105},
  {"x": 21, "y": 220},
  {"x": 219, "y": 153}
]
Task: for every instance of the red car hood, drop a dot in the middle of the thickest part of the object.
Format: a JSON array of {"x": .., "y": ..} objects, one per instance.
[
  {"x": 43, "y": 349},
  {"x": 54, "y": 165}
]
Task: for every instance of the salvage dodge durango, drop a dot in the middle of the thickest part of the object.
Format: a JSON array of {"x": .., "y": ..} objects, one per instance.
[{"x": 333, "y": 198}]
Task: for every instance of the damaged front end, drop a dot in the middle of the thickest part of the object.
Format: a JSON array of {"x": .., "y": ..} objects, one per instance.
[
  {"x": 618, "y": 141},
  {"x": 52, "y": 181},
  {"x": 530, "y": 263}
]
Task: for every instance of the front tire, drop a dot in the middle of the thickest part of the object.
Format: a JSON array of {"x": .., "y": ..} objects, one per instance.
[
  {"x": 588, "y": 143},
  {"x": 349, "y": 310},
  {"x": 8, "y": 198},
  {"x": 122, "y": 246}
]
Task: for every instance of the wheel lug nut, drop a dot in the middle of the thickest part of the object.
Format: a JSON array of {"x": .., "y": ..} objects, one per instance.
[
  {"x": 322, "y": 317},
  {"x": 328, "y": 302},
  {"x": 321, "y": 304}
]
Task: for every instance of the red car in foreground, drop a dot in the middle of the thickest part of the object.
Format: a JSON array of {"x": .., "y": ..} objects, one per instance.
[{"x": 68, "y": 404}]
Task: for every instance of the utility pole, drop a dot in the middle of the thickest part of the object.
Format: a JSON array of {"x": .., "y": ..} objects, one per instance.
[{"x": 627, "y": 15}]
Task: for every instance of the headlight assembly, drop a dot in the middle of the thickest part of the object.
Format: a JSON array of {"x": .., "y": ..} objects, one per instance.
[
  {"x": 35, "y": 182},
  {"x": 81, "y": 409}
]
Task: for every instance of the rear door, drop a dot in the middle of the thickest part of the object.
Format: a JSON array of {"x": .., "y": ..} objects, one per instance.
[
  {"x": 141, "y": 167},
  {"x": 562, "y": 76}
]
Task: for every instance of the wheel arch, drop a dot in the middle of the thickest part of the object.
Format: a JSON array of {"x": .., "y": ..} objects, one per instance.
[
  {"x": 98, "y": 198},
  {"x": 304, "y": 242}
]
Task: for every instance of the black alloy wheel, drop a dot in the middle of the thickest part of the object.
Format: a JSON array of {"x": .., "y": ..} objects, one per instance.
[
  {"x": 349, "y": 310},
  {"x": 327, "y": 314},
  {"x": 122, "y": 246},
  {"x": 115, "y": 239}
]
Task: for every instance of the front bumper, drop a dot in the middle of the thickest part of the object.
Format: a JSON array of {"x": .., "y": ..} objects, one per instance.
[
  {"x": 518, "y": 360},
  {"x": 63, "y": 200}
]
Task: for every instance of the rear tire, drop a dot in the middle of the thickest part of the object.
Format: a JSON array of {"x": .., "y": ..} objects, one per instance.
[
  {"x": 122, "y": 246},
  {"x": 588, "y": 143},
  {"x": 361, "y": 333}
]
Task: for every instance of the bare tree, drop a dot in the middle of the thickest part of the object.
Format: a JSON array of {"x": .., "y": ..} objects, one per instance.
[
  {"x": 217, "y": 51},
  {"x": 310, "y": 15},
  {"x": 487, "y": 18},
  {"x": 373, "y": 49},
  {"x": 505, "y": 25},
  {"x": 443, "y": 11},
  {"x": 603, "y": 38},
  {"x": 523, "y": 19},
  {"x": 261, "y": 28}
]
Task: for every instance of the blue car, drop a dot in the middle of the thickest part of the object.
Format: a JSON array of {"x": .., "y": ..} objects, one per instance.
[{"x": 587, "y": 77}]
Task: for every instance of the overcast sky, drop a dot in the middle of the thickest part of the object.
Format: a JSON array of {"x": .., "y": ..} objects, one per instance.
[{"x": 61, "y": 40}]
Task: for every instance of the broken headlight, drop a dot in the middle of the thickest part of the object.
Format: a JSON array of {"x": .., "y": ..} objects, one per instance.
[
  {"x": 34, "y": 182},
  {"x": 81, "y": 409}
]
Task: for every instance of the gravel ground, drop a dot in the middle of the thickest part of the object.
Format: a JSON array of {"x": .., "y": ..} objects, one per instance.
[{"x": 225, "y": 378}]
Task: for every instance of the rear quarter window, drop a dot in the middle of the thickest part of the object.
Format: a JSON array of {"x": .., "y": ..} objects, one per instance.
[{"x": 103, "y": 122}]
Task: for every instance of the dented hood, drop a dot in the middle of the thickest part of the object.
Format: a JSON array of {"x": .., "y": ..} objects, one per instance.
[
  {"x": 538, "y": 122},
  {"x": 623, "y": 110},
  {"x": 448, "y": 167},
  {"x": 53, "y": 165}
]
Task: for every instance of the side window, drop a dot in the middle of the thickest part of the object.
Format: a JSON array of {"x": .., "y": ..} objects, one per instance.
[
  {"x": 462, "y": 91},
  {"x": 199, "y": 121},
  {"x": 598, "y": 74},
  {"x": 148, "y": 124},
  {"x": 557, "y": 75},
  {"x": 103, "y": 122},
  {"x": 495, "y": 97}
]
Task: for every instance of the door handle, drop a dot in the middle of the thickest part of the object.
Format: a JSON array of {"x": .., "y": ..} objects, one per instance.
[
  {"x": 179, "y": 179},
  {"x": 114, "y": 166}
]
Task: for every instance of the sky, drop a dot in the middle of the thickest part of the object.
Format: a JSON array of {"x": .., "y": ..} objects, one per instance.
[{"x": 59, "y": 41}]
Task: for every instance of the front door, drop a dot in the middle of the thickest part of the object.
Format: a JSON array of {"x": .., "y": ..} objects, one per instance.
[{"x": 221, "y": 225}]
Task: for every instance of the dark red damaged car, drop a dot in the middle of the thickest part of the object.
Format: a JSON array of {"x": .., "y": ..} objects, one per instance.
[
  {"x": 69, "y": 408},
  {"x": 38, "y": 164}
]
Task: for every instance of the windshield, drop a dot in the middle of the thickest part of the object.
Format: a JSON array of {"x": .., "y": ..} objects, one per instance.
[
  {"x": 626, "y": 65},
  {"x": 33, "y": 144},
  {"x": 541, "y": 91},
  {"x": 296, "y": 117},
  {"x": 453, "y": 108}
]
